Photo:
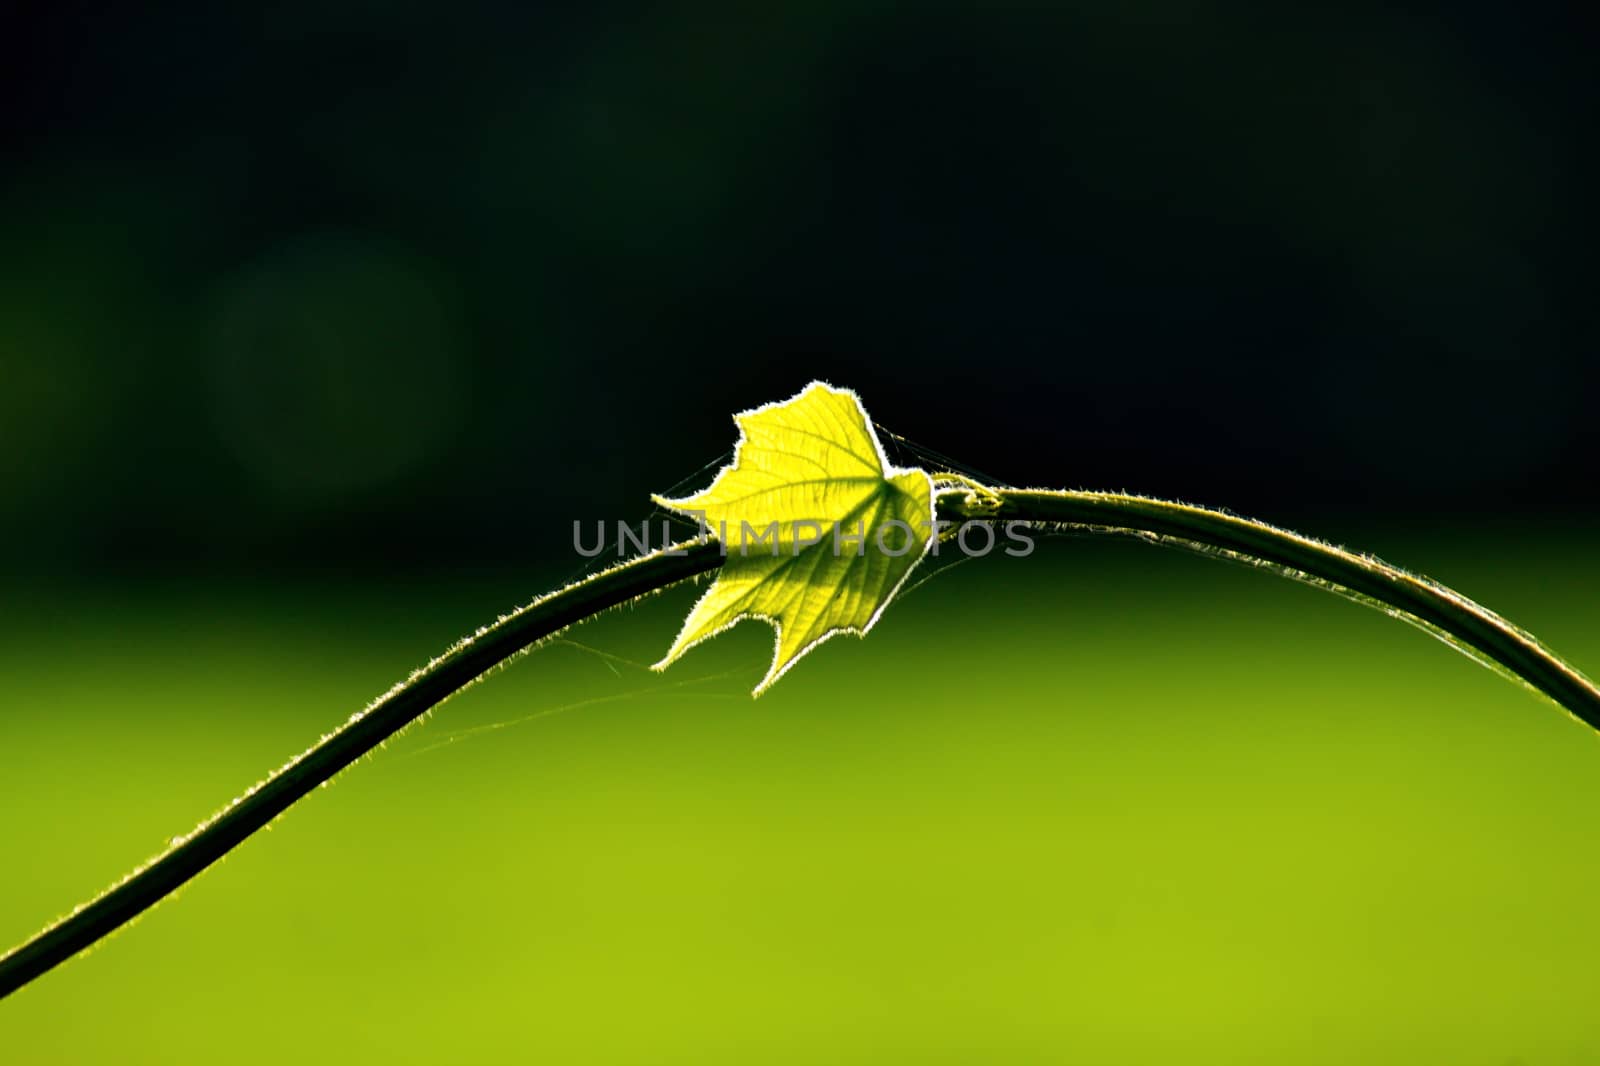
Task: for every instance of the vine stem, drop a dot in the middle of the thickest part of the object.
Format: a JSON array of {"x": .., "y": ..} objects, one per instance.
[
  {"x": 1464, "y": 623},
  {"x": 1460, "y": 622},
  {"x": 429, "y": 686}
]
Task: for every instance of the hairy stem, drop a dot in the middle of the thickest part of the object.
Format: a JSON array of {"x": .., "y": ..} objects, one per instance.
[
  {"x": 1468, "y": 626},
  {"x": 400, "y": 706},
  {"x": 1464, "y": 623}
]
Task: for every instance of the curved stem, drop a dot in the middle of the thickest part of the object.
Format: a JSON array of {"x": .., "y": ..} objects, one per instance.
[
  {"x": 397, "y": 708},
  {"x": 1467, "y": 625},
  {"x": 1464, "y": 623}
]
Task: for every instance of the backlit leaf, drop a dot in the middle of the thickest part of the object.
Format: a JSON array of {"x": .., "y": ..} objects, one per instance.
[{"x": 820, "y": 531}]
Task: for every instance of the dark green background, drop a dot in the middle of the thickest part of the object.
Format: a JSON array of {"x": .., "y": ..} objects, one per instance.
[
  {"x": 328, "y": 283},
  {"x": 321, "y": 323}
]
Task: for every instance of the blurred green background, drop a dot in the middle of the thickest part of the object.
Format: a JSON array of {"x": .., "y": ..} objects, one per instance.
[
  {"x": 321, "y": 323},
  {"x": 1108, "y": 804}
]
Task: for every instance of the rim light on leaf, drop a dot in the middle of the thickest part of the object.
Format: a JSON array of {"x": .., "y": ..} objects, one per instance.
[{"x": 820, "y": 530}]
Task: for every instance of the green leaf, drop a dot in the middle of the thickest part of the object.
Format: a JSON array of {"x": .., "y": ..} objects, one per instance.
[{"x": 819, "y": 530}]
